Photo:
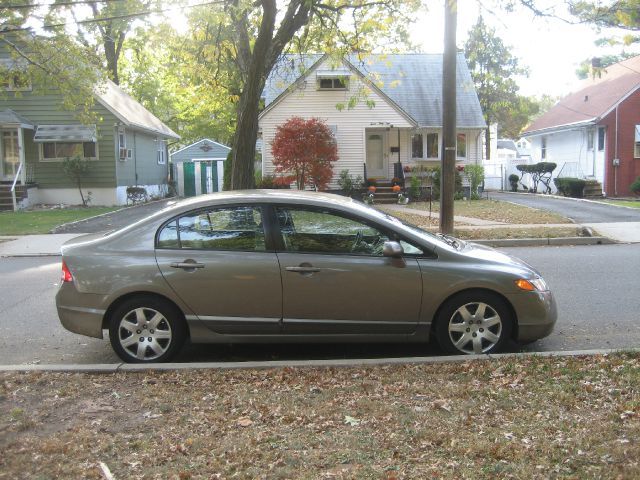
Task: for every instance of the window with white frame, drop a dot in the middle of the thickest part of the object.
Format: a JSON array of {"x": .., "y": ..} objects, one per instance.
[
  {"x": 162, "y": 151},
  {"x": 122, "y": 144},
  {"x": 461, "y": 145},
  {"x": 57, "y": 151},
  {"x": 636, "y": 144},
  {"x": 416, "y": 146},
  {"x": 335, "y": 83},
  {"x": 543, "y": 148},
  {"x": 601, "y": 138},
  {"x": 432, "y": 145},
  {"x": 589, "y": 139}
]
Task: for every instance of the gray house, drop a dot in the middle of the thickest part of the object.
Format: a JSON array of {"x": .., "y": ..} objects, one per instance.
[
  {"x": 126, "y": 146},
  {"x": 198, "y": 168}
]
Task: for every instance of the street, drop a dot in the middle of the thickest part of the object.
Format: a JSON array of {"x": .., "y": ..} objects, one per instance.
[{"x": 595, "y": 286}]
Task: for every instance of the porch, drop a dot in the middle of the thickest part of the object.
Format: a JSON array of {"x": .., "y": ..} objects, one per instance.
[{"x": 15, "y": 177}]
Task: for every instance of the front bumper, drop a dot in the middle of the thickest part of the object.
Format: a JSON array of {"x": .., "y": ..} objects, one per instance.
[
  {"x": 536, "y": 312},
  {"x": 80, "y": 312}
]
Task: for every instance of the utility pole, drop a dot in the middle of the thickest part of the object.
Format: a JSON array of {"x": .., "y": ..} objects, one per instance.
[{"x": 447, "y": 178}]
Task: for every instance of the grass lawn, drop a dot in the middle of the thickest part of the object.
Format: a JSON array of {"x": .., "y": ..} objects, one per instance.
[
  {"x": 496, "y": 211},
  {"x": 504, "y": 418},
  {"x": 623, "y": 203},
  {"x": 498, "y": 232},
  {"x": 42, "y": 221}
]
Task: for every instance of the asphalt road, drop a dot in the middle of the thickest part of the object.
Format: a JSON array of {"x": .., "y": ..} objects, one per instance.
[
  {"x": 596, "y": 289},
  {"x": 578, "y": 211},
  {"x": 114, "y": 220}
]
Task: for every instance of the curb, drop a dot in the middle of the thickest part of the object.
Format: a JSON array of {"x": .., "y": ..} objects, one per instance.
[
  {"x": 540, "y": 242},
  {"x": 132, "y": 367}
]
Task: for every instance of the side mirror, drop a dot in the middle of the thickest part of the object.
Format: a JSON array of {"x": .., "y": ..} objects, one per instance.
[{"x": 392, "y": 249}]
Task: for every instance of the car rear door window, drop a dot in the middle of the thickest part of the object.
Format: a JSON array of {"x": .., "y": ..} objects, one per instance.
[
  {"x": 232, "y": 228},
  {"x": 321, "y": 231}
]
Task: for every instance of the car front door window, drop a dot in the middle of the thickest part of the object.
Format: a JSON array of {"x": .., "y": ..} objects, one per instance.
[{"x": 319, "y": 231}]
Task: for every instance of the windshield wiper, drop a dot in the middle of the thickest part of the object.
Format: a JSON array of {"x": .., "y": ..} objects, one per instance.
[{"x": 454, "y": 242}]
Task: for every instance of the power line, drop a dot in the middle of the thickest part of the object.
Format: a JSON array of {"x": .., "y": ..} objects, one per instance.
[
  {"x": 114, "y": 17},
  {"x": 57, "y": 4}
]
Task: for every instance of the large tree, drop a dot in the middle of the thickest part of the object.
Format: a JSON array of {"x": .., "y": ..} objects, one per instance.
[
  {"x": 49, "y": 61},
  {"x": 253, "y": 35},
  {"x": 105, "y": 30},
  {"x": 493, "y": 69}
]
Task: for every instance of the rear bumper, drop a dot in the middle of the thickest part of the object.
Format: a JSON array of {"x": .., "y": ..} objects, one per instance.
[
  {"x": 537, "y": 314},
  {"x": 80, "y": 312}
]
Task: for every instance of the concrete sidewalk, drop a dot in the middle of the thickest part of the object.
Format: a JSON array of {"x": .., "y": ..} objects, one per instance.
[{"x": 34, "y": 245}]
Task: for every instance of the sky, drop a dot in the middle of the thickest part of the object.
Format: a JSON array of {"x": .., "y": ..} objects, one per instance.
[{"x": 550, "y": 48}]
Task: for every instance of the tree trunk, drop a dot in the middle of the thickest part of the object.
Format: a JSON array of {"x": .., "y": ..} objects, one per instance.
[{"x": 112, "y": 59}]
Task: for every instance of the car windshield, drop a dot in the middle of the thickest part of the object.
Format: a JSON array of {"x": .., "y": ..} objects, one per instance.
[{"x": 447, "y": 239}]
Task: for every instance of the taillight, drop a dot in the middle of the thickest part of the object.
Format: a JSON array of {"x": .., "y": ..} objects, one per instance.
[{"x": 66, "y": 274}]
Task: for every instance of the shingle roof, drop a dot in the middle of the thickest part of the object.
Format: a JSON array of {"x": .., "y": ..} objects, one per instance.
[
  {"x": 412, "y": 81},
  {"x": 129, "y": 111},
  {"x": 9, "y": 117},
  {"x": 595, "y": 98}
]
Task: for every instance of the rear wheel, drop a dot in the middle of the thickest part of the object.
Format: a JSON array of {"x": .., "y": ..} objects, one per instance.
[
  {"x": 146, "y": 330},
  {"x": 474, "y": 323}
]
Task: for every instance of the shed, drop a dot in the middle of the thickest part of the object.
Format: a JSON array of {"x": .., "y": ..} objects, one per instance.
[{"x": 198, "y": 168}]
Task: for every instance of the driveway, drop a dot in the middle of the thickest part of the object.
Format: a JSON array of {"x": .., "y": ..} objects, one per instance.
[
  {"x": 578, "y": 211},
  {"x": 114, "y": 220},
  {"x": 617, "y": 223}
]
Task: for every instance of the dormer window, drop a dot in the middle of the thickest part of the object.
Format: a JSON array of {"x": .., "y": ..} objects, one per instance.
[
  {"x": 332, "y": 84},
  {"x": 333, "y": 79}
]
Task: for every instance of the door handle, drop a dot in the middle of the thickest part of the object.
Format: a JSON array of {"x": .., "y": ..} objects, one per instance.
[
  {"x": 302, "y": 269},
  {"x": 187, "y": 265}
]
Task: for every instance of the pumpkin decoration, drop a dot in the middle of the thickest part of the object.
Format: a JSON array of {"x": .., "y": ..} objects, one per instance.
[{"x": 396, "y": 188}]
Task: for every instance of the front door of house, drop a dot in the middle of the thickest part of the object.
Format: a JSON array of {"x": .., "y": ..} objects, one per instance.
[
  {"x": 9, "y": 154},
  {"x": 376, "y": 159}
]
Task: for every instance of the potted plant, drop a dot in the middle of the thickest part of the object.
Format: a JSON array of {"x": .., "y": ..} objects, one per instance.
[
  {"x": 368, "y": 197},
  {"x": 402, "y": 199},
  {"x": 395, "y": 181}
]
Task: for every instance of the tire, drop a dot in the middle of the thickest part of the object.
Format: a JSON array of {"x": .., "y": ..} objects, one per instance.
[
  {"x": 474, "y": 323},
  {"x": 146, "y": 329}
]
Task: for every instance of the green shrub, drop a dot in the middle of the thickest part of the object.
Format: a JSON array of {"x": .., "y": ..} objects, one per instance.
[
  {"x": 226, "y": 172},
  {"x": 349, "y": 184},
  {"x": 77, "y": 168},
  {"x": 476, "y": 177},
  {"x": 436, "y": 184},
  {"x": 635, "y": 186},
  {"x": 570, "y": 187},
  {"x": 414, "y": 188},
  {"x": 513, "y": 182},
  {"x": 540, "y": 172}
]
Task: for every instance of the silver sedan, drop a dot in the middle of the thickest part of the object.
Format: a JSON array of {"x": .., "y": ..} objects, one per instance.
[{"x": 289, "y": 266}]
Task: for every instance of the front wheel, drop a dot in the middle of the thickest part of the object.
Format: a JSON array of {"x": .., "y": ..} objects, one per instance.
[
  {"x": 146, "y": 330},
  {"x": 474, "y": 323}
]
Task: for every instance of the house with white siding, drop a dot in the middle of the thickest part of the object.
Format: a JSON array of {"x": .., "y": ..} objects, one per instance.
[{"x": 385, "y": 110}]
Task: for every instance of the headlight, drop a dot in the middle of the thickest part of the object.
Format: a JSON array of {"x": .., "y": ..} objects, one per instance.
[{"x": 532, "y": 284}]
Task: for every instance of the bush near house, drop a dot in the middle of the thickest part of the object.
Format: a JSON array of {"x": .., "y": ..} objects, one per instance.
[
  {"x": 540, "y": 172},
  {"x": 305, "y": 150},
  {"x": 475, "y": 173},
  {"x": 635, "y": 186},
  {"x": 349, "y": 184},
  {"x": 513, "y": 181},
  {"x": 570, "y": 187}
]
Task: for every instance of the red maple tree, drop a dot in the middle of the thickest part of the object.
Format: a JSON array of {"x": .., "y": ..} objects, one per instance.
[{"x": 305, "y": 150}]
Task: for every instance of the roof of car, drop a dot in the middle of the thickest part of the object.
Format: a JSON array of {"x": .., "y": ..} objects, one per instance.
[{"x": 257, "y": 196}]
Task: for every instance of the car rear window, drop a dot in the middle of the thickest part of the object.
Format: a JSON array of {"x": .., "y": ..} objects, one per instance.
[{"x": 232, "y": 228}]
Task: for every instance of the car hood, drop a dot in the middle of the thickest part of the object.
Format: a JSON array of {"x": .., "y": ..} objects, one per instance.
[{"x": 480, "y": 252}]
